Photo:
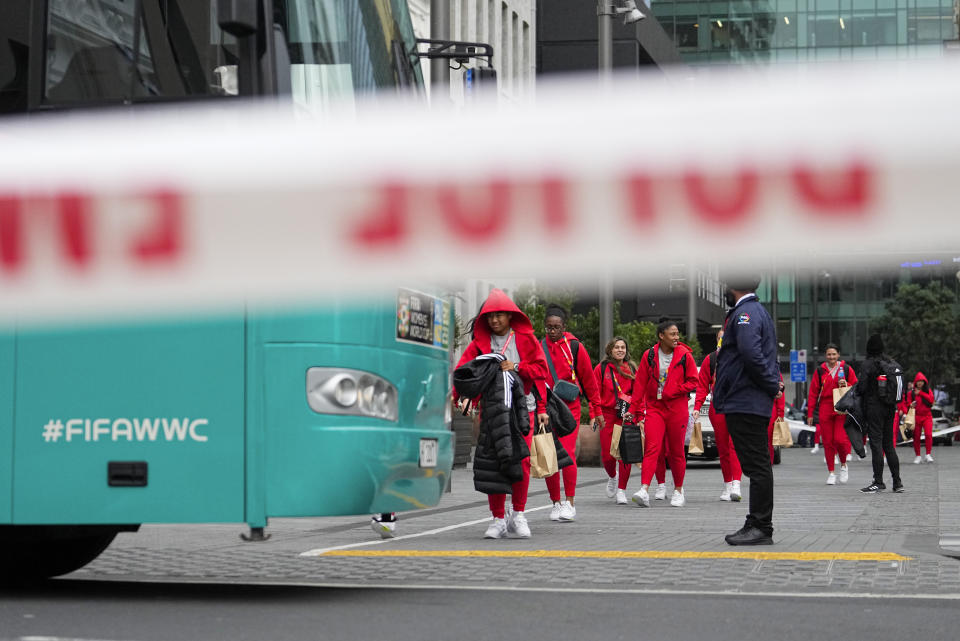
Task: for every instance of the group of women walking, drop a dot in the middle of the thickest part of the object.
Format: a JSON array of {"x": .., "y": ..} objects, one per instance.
[{"x": 653, "y": 393}]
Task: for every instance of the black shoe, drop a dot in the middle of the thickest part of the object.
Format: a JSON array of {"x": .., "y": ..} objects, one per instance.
[
  {"x": 873, "y": 488},
  {"x": 749, "y": 536},
  {"x": 898, "y": 487}
]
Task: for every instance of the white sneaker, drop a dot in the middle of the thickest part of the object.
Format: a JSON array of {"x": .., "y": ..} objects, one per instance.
[
  {"x": 642, "y": 498},
  {"x": 725, "y": 495},
  {"x": 385, "y": 529},
  {"x": 517, "y": 526},
  {"x": 567, "y": 511},
  {"x": 832, "y": 479},
  {"x": 496, "y": 530},
  {"x": 929, "y": 459},
  {"x": 555, "y": 512},
  {"x": 678, "y": 500},
  {"x": 621, "y": 497},
  {"x": 816, "y": 448},
  {"x": 844, "y": 474},
  {"x": 735, "y": 494},
  {"x": 611, "y": 487},
  {"x": 849, "y": 457},
  {"x": 917, "y": 460},
  {"x": 661, "y": 492}
]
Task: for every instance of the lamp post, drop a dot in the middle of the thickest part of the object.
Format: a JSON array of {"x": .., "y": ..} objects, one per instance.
[{"x": 606, "y": 10}]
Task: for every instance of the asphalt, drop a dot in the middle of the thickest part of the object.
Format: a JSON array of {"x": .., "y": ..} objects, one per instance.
[{"x": 829, "y": 540}]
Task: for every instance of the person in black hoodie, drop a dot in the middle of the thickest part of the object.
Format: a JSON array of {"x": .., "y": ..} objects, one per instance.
[{"x": 878, "y": 414}]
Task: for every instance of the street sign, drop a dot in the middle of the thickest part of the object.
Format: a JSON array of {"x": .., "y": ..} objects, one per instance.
[
  {"x": 794, "y": 357},
  {"x": 798, "y": 372},
  {"x": 801, "y": 356}
]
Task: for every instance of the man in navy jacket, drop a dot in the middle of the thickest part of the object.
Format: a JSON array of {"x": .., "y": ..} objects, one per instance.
[{"x": 748, "y": 379}]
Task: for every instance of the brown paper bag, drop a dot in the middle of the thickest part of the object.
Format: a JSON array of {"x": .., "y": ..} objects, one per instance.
[
  {"x": 838, "y": 393},
  {"x": 543, "y": 454},
  {"x": 911, "y": 418},
  {"x": 781, "y": 434},
  {"x": 615, "y": 441},
  {"x": 696, "y": 440}
]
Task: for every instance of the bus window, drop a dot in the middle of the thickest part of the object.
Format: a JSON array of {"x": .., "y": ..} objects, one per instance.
[
  {"x": 106, "y": 51},
  {"x": 14, "y": 49}
]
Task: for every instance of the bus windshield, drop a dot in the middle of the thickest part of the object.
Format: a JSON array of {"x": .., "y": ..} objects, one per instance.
[{"x": 108, "y": 51}]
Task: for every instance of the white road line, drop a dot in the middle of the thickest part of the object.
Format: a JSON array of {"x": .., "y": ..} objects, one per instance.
[
  {"x": 56, "y": 639},
  {"x": 321, "y": 551}
]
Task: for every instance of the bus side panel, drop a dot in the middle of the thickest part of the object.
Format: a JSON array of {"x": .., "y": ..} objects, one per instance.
[
  {"x": 326, "y": 464},
  {"x": 7, "y": 354},
  {"x": 169, "y": 395}
]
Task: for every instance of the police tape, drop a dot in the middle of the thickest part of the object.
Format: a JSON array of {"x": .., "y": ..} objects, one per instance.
[{"x": 236, "y": 203}]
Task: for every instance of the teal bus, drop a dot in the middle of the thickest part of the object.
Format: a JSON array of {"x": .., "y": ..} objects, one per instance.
[{"x": 332, "y": 408}]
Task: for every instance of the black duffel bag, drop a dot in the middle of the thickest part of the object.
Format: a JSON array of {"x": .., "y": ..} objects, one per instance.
[{"x": 631, "y": 444}]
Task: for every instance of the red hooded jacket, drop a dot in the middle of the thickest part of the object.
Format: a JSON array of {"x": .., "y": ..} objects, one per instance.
[
  {"x": 822, "y": 386},
  {"x": 924, "y": 399},
  {"x": 780, "y": 404},
  {"x": 532, "y": 367},
  {"x": 705, "y": 381},
  {"x": 561, "y": 353},
  {"x": 676, "y": 390}
]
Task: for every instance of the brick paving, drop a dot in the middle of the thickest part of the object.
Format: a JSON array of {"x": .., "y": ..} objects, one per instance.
[{"x": 809, "y": 516}]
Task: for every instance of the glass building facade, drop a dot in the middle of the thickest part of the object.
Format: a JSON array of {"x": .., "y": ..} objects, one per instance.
[
  {"x": 828, "y": 300},
  {"x": 785, "y": 31}
]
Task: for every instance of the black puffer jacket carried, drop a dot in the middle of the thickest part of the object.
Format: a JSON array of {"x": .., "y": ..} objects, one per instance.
[
  {"x": 504, "y": 421},
  {"x": 855, "y": 423}
]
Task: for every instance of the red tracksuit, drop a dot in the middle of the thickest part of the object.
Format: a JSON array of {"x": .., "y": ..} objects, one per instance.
[
  {"x": 779, "y": 407},
  {"x": 729, "y": 463},
  {"x": 835, "y": 440},
  {"x": 532, "y": 368},
  {"x": 614, "y": 383},
  {"x": 922, "y": 413},
  {"x": 579, "y": 373},
  {"x": 664, "y": 418}
]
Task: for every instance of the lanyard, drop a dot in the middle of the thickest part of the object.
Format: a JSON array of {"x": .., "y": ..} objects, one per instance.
[
  {"x": 616, "y": 383},
  {"x": 573, "y": 368},
  {"x": 507, "y": 344}
]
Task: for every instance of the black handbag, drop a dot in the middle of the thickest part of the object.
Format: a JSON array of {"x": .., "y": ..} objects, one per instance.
[
  {"x": 565, "y": 390},
  {"x": 631, "y": 444}
]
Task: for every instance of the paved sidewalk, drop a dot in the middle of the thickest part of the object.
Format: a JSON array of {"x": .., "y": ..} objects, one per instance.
[{"x": 829, "y": 539}]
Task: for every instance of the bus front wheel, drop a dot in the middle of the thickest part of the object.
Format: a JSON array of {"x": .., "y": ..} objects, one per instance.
[{"x": 36, "y": 552}]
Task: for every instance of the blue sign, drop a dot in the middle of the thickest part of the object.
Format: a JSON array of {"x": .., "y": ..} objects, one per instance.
[
  {"x": 798, "y": 372},
  {"x": 794, "y": 356}
]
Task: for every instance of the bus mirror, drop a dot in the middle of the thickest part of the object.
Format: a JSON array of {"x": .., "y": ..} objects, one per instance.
[{"x": 237, "y": 17}]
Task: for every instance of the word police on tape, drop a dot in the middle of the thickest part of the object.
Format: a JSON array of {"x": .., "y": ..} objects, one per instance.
[{"x": 137, "y": 214}]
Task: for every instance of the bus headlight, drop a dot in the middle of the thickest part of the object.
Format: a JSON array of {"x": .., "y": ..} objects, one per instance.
[{"x": 334, "y": 390}]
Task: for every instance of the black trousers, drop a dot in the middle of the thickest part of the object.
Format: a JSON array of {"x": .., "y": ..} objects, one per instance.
[
  {"x": 749, "y": 434},
  {"x": 880, "y": 431}
]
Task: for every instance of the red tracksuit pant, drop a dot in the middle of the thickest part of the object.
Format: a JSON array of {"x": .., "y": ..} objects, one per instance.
[
  {"x": 498, "y": 502},
  {"x": 729, "y": 463},
  {"x": 835, "y": 440},
  {"x": 611, "y": 464},
  {"x": 924, "y": 425},
  {"x": 664, "y": 423},
  {"x": 569, "y": 473}
]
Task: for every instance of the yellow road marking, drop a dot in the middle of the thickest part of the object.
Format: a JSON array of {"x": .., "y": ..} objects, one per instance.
[{"x": 628, "y": 554}]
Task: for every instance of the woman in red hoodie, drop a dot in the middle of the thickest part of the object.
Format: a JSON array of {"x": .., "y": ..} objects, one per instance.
[
  {"x": 571, "y": 363},
  {"x": 502, "y": 328},
  {"x": 921, "y": 400},
  {"x": 666, "y": 376},
  {"x": 615, "y": 375},
  {"x": 779, "y": 409},
  {"x": 828, "y": 376},
  {"x": 729, "y": 463}
]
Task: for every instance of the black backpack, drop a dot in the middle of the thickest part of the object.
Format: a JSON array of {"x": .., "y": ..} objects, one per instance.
[
  {"x": 889, "y": 380},
  {"x": 680, "y": 363}
]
